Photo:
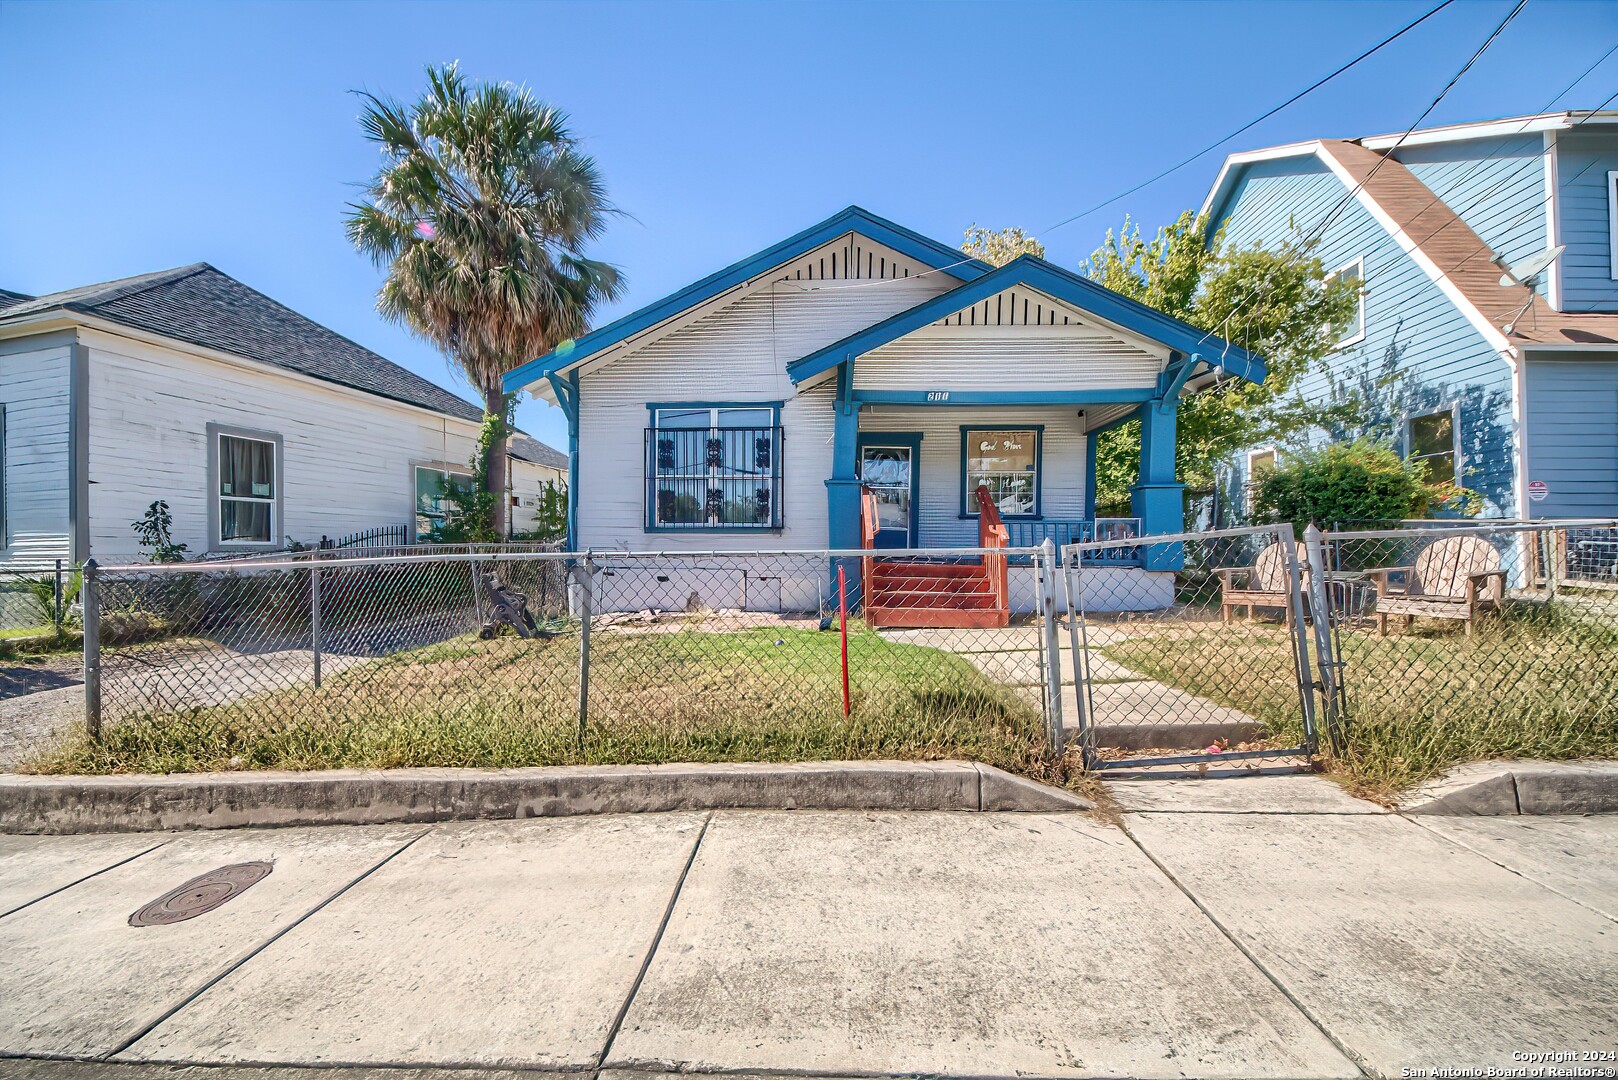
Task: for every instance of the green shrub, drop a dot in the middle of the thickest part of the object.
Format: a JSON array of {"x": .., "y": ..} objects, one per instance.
[{"x": 1358, "y": 482}]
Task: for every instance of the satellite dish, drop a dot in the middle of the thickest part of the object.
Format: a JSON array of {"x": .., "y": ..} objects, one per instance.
[{"x": 1531, "y": 267}]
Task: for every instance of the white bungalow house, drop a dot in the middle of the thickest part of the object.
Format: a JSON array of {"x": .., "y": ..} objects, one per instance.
[
  {"x": 861, "y": 368},
  {"x": 256, "y": 425}
]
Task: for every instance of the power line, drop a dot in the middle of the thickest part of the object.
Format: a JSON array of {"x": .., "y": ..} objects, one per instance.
[
  {"x": 1316, "y": 85},
  {"x": 1473, "y": 59},
  {"x": 1251, "y": 123}
]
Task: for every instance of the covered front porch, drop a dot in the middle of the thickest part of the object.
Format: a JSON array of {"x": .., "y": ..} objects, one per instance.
[{"x": 988, "y": 401}]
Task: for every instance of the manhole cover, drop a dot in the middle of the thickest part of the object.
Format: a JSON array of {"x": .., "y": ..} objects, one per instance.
[{"x": 201, "y": 894}]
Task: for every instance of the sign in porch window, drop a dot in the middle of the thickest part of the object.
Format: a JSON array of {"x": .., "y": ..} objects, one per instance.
[
  {"x": 1432, "y": 443},
  {"x": 246, "y": 490},
  {"x": 713, "y": 467},
  {"x": 1006, "y": 462}
]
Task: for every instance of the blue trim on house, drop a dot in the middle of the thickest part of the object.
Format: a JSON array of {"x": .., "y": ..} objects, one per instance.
[
  {"x": 567, "y": 397},
  {"x": 1039, "y": 469},
  {"x": 1055, "y": 282},
  {"x": 947, "y": 398},
  {"x": 940, "y": 257},
  {"x": 911, "y": 439}
]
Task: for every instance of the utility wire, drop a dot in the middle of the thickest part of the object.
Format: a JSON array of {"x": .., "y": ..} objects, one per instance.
[
  {"x": 1316, "y": 85},
  {"x": 1251, "y": 123}
]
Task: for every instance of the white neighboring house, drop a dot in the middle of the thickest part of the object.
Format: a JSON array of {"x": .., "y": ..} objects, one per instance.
[{"x": 256, "y": 425}]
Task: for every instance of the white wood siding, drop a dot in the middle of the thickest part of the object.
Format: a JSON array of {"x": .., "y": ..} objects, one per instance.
[
  {"x": 34, "y": 387},
  {"x": 1005, "y": 358},
  {"x": 1062, "y": 461},
  {"x": 737, "y": 353},
  {"x": 349, "y": 456}
]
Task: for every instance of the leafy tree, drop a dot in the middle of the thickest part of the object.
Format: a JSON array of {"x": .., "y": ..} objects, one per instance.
[
  {"x": 1351, "y": 483},
  {"x": 480, "y": 215},
  {"x": 1275, "y": 302},
  {"x": 999, "y": 246}
]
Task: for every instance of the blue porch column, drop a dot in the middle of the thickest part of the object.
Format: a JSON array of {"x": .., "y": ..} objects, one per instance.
[
  {"x": 1158, "y": 499},
  {"x": 843, "y": 486},
  {"x": 1090, "y": 439}
]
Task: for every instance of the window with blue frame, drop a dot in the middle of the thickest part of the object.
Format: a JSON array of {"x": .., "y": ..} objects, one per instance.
[
  {"x": 1006, "y": 461},
  {"x": 713, "y": 467}
]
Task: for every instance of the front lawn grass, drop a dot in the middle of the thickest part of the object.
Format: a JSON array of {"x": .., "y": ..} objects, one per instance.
[
  {"x": 767, "y": 694},
  {"x": 1533, "y": 682}
]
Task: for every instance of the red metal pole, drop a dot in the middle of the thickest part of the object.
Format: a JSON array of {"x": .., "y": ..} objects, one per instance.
[{"x": 842, "y": 614}]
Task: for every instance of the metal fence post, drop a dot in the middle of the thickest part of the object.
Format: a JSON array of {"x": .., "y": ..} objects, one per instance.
[
  {"x": 56, "y": 600},
  {"x": 1052, "y": 646},
  {"x": 314, "y": 613},
  {"x": 1078, "y": 643},
  {"x": 586, "y": 610},
  {"x": 90, "y": 592},
  {"x": 1298, "y": 608},
  {"x": 1325, "y": 656}
]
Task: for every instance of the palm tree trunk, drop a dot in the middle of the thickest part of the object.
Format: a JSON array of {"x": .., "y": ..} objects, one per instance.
[{"x": 496, "y": 480}]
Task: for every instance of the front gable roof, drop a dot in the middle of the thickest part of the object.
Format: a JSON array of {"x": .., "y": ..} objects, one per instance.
[
  {"x": 1063, "y": 285},
  {"x": 941, "y": 258}
]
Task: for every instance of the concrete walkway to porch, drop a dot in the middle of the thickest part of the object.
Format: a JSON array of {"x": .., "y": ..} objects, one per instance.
[
  {"x": 1262, "y": 927},
  {"x": 1132, "y": 711}
]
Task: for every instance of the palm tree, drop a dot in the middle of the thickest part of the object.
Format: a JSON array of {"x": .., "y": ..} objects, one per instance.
[{"x": 480, "y": 214}]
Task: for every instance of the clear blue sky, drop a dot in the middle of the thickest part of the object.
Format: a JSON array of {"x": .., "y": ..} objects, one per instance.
[{"x": 142, "y": 136}]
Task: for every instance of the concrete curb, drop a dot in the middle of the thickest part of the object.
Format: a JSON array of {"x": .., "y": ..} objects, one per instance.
[
  {"x": 1495, "y": 788},
  {"x": 142, "y": 803}
]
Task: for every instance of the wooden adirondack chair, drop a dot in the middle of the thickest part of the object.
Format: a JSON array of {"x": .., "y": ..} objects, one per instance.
[
  {"x": 1454, "y": 578},
  {"x": 1262, "y": 585}
]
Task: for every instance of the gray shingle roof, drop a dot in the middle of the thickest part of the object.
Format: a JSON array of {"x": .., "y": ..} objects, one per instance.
[
  {"x": 206, "y": 307},
  {"x": 527, "y": 448},
  {"x": 203, "y": 306}
]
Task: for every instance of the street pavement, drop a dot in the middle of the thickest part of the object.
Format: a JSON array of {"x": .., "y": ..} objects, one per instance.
[{"x": 1253, "y": 927}]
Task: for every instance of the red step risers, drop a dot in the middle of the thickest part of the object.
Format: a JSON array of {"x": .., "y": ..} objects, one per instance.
[{"x": 947, "y": 595}]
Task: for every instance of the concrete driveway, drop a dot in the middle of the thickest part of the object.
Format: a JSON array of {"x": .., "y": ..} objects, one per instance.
[{"x": 1223, "y": 930}]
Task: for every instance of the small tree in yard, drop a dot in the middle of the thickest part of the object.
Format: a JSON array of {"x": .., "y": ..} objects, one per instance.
[
  {"x": 1346, "y": 483},
  {"x": 1273, "y": 302},
  {"x": 154, "y": 534},
  {"x": 480, "y": 215}
]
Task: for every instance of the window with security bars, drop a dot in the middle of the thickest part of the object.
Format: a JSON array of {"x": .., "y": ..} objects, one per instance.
[
  {"x": 1006, "y": 462},
  {"x": 713, "y": 467}
]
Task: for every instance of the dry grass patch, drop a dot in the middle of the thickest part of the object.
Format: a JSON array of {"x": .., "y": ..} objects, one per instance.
[{"x": 766, "y": 694}]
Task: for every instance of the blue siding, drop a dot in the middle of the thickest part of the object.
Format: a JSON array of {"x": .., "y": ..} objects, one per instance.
[
  {"x": 1583, "y": 160},
  {"x": 1497, "y": 186},
  {"x": 1419, "y": 354},
  {"x": 1573, "y": 436}
]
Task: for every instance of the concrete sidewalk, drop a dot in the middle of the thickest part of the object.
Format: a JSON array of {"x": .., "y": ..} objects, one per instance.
[{"x": 1234, "y": 930}]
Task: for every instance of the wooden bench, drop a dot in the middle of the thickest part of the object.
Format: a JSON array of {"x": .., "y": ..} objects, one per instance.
[
  {"x": 1455, "y": 578},
  {"x": 1265, "y": 584}
]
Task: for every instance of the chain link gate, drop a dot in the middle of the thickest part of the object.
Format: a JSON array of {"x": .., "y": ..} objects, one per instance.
[{"x": 1190, "y": 650}]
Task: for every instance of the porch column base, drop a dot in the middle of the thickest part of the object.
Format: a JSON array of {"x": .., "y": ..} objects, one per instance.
[{"x": 1161, "y": 509}]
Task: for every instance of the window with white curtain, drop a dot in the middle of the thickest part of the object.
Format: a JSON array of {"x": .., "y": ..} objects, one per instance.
[{"x": 245, "y": 471}]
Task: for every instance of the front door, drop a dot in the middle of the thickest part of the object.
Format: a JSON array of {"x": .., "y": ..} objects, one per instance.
[{"x": 888, "y": 467}]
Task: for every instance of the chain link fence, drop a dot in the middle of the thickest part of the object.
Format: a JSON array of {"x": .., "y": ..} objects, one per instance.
[
  {"x": 1457, "y": 641},
  {"x": 38, "y": 600},
  {"x": 499, "y": 659},
  {"x": 1195, "y": 655}
]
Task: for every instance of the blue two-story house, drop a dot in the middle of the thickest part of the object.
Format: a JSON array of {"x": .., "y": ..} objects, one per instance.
[{"x": 1487, "y": 338}]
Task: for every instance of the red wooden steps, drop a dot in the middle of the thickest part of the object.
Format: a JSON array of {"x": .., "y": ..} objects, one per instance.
[{"x": 947, "y": 595}]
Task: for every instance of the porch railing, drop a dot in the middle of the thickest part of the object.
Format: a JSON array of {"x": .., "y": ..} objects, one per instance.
[
  {"x": 1062, "y": 532},
  {"x": 992, "y": 534}
]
